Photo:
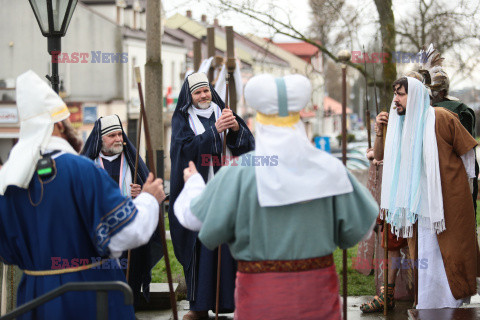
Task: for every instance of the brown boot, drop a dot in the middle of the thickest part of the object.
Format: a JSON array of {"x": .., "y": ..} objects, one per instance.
[{"x": 196, "y": 315}]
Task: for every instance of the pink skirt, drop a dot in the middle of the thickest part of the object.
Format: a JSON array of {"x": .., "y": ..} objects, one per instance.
[{"x": 306, "y": 295}]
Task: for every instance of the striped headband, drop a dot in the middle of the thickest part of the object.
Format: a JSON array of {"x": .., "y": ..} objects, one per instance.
[{"x": 197, "y": 80}]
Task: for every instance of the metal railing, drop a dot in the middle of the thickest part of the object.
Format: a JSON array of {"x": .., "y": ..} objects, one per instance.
[{"x": 102, "y": 289}]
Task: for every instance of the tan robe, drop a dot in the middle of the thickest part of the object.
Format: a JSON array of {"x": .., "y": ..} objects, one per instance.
[{"x": 458, "y": 243}]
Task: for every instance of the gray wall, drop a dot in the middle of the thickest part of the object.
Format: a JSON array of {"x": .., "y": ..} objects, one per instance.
[{"x": 87, "y": 32}]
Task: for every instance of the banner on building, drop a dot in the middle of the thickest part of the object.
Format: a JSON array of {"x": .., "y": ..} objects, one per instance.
[{"x": 76, "y": 117}]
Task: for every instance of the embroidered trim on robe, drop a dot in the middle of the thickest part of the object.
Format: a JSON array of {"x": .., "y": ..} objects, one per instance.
[
  {"x": 285, "y": 265},
  {"x": 112, "y": 222}
]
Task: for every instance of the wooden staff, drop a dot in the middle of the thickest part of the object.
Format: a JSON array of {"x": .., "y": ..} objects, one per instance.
[
  {"x": 385, "y": 225},
  {"x": 224, "y": 161},
  {"x": 344, "y": 56},
  {"x": 3, "y": 302},
  {"x": 137, "y": 156},
  {"x": 367, "y": 110},
  {"x": 161, "y": 222}
]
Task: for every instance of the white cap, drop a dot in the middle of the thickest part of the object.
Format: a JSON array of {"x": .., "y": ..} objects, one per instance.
[{"x": 265, "y": 94}]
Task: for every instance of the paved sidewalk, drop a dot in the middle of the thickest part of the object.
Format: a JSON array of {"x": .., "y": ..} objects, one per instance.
[{"x": 354, "y": 313}]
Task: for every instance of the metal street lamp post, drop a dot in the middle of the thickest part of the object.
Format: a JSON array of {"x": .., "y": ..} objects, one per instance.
[{"x": 53, "y": 17}]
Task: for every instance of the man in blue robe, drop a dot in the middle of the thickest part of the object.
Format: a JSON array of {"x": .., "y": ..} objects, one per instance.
[
  {"x": 199, "y": 124},
  {"x": 110, "y": 148},
  {"x": 60, "y": 221}
]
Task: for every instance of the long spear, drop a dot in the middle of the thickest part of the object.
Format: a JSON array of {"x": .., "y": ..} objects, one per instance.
[
  {"x": 161, "y": 222},
  {"x": 385, "y": 225},
  {"x": 367, "y": 110},
  {"x": 224, "y": 161},
  {"x": 344, "y": 56}
]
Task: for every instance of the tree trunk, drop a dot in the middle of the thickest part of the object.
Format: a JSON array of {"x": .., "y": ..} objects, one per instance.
[{"x": 387, "y": 29}]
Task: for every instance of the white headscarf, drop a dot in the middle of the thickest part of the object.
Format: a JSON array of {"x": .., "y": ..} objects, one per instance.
[
  {"x": 39, "y": 107},
  {"x": 411, "y": 185},
  {"x": 303, "y": 172}
]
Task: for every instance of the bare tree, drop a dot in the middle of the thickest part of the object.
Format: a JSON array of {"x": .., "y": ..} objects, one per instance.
[
  {"x": 278, "y": 25},
  {"x": 451, "y": 27},
  {"x": 332, "y": 17}
]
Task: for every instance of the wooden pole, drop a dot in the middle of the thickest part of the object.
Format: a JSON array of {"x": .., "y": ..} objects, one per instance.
[
  {"x": 385, "y": 225},
  {"x": 224, "y": 161},
  {"x": 344, "y": 56},
  {"x": 367, "y": 111},
  {"x": 3, "y": 302},
  {"x": 137, "y": 156},
  {"x": 231, "y": 65},
  {"x": 344, "y": 160},
  {"x": 211, "y": 50},
  {"x": 161, "y": 222},
  {"x": 197, "y": 54}
]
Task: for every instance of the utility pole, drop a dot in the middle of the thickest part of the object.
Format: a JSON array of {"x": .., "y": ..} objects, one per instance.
[{"x": 153, "y": 84}]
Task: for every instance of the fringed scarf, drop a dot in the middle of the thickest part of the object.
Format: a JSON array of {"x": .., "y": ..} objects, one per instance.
[{"x": 411, "y": 186}]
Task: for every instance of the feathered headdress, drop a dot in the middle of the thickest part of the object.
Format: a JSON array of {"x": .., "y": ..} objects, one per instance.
[{"x": 431, "y": 60}]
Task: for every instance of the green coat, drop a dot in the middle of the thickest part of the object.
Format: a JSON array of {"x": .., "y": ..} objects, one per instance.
[{"x": 466, "y": 115}]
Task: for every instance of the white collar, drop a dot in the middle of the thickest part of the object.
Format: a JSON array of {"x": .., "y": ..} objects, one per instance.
[
  {"x": 206, "y": 113},
  {"x": 110, "y": 158}
]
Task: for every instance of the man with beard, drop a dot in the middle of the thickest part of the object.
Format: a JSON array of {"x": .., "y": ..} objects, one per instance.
[
  {"x": 108, "y": 146},
  {"x": 199, "y": 125},
  {"x": 61, "y": 217},
  {"x": 428, "y": 159}
]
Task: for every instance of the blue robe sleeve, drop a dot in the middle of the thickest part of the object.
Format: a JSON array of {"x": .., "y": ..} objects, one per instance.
[
  {"x": 354, "y": 213},
  {"x": 105, "y": 210}
]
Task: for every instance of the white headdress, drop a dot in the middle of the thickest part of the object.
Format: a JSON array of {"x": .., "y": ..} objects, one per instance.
[
  {"x": 302, "y": 172},
  {"x": 39, "y": 107}
]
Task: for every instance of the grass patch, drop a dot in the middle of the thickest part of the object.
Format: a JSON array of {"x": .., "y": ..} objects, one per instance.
[
  {"x": 478, "y": 213},
  {"x": 357, "y": 283},
  {"x": 159, "y": 272}
]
